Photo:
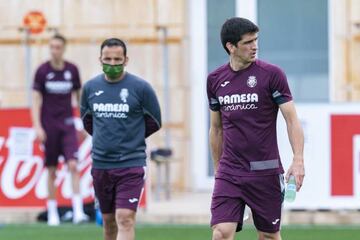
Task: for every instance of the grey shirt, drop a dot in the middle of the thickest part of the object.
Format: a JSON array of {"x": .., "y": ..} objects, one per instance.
[{"x": 119, "y": 116}]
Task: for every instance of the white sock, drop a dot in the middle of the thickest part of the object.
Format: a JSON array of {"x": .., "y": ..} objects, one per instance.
[
  {"x": 52, "y": 208},
  {"x": 77, "y": 205}
]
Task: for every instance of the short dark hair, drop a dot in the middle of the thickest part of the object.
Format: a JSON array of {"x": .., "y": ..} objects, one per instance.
[
  {"x": 111, "y": 42},
  {"x": 233, "y": 30},
  {"x": 60, "y": 37}
]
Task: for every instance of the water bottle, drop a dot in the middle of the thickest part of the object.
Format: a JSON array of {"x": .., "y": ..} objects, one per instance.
[
  {"x": 290, "y": 192},
  {"x": 98, "y": 216}
]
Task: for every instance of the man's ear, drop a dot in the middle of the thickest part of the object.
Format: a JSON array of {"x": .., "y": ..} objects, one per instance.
[
  {"x": 100, "y": 61},
  {"x": 230, "y": 47},
  {"x": 126, "y": 61}
]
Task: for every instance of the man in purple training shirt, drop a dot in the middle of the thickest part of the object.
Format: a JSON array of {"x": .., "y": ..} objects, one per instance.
[
  {"x": 55, "y": 82},
  {"x": 244, "y": 97}
]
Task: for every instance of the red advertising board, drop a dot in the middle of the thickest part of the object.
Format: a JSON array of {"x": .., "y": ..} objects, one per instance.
[{"x": 22, "y": 173}]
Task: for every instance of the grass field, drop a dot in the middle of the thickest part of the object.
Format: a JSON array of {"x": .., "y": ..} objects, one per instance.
[{"x": 170, "y": 232}]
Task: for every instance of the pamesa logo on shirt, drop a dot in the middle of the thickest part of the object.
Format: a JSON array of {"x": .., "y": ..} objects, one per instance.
[
  {"x": 234, "y": 102},
  {"x": 112, "y": 110}
]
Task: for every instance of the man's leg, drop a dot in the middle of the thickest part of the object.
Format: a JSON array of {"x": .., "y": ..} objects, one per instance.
[
  {"x": 130, "y": 182},
  {"x": 51, "y": 183},
  {"x": 269, "y": 236},
  {"x": 110, "y": 227},
  {"x": 53, "y": 215},
  {"x": 77, "y": 201},
  {"x": 52, "y": 150},
  {"x": 70, "y": 149},
  {"x": 104, "y": 192},
  {"x": 75, "y": 177},
  {"x": 125, "y": 220},
  {"x": 224, "y": 231},
  {"x": 227, "y": 208},
  {"x": 264, "y": 195}
]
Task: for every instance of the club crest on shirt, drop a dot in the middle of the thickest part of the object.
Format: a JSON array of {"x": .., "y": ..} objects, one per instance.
[
  {"x": 251, "y": 82},
  {"x": 124, "y": 94},
  {"x": 67, "y": 75}
]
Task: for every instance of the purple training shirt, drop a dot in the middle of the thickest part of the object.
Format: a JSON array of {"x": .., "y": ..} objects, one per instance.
[
  {"x": 249, "y": 101},
  {"x": 56, "y": 87}
]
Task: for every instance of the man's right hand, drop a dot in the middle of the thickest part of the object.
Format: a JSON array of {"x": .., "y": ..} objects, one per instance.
[{"x": 40, "y": 134}]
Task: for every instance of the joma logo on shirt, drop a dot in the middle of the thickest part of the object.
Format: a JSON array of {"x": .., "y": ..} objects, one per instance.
[
  {"x": 110, "y": 107},
  {"x": 238, "y": 98}
]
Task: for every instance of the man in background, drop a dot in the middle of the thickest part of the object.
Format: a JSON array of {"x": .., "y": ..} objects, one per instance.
[
  {"x": 55, "y": 83},
  {"x": 120, "y": 110}
]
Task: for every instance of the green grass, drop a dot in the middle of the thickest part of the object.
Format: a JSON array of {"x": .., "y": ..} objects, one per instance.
[{"x": 171, "y": 232}]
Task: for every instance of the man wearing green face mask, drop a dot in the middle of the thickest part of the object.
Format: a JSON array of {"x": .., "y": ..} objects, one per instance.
[
  {"x": 113, "y": 60},
  {"x": 119, "y": 110},
  {"x": 113, "y": 71}
]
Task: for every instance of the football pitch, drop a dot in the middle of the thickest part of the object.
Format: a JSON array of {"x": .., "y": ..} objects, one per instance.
[{"x": 170, "y": 232}]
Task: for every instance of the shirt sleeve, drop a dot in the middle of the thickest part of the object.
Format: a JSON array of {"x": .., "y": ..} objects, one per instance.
[
  {"x": 85, "y": 111},
  {"x": 152, "y": 113},
  {"x": 279, "y": 87},
  {"x": 76, "y": 79},
  {"x": 39, "y": 81},
  {"x": 214, "y": 104}
]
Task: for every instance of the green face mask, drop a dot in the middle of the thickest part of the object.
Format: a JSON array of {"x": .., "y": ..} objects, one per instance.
[{"x": 113, "y": 71}]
